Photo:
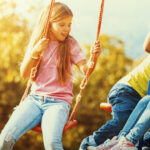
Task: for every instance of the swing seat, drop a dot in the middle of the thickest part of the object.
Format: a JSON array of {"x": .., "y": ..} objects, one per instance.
[
  {"x": 106, "y": 107},
  {"x": 69, "y": 124},
  {"x": 37, "y": 128}
]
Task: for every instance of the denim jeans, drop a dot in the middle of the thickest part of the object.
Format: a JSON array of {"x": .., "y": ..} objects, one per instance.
[
  {"x": 52, "y": 113},
  {"x": 138, "y": 122},
  {"x": 123, "y": 99}
]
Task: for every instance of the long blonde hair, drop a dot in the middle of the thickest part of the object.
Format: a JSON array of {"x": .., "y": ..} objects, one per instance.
[{"x": 59, "y": 12}]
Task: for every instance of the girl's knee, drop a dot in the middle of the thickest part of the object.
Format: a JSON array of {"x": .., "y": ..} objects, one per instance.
[
  {"x": 7, "y": 145},
  {"x": 53, "y": 144},
  {"x": 7, "y": 142}
]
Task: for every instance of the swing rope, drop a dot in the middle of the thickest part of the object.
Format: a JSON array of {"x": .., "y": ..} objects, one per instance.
[
  {"x": 91, "y": 65},
  {"x": 35, "y": 67}
]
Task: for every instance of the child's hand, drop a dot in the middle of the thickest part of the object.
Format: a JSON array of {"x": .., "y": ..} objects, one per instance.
[
  {"x": 96, "y": 49},
  {"x": 39, "y": 48}
]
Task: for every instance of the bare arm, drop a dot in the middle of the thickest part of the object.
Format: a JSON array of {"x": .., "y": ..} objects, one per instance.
[
  {"x": 82, "y": 65},
  {"x": 146, "y": 45},
  {"x": 31, "y": 58}
]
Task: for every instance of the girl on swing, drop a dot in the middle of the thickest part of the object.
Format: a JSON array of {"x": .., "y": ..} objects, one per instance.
[{"x": 51, "y": 93}]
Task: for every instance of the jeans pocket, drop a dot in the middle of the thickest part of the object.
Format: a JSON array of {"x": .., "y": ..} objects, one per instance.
[{"x": 68, "y": 108}]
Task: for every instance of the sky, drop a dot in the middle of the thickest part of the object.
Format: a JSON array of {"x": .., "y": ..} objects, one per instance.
[{"x": 129, "y": 20}]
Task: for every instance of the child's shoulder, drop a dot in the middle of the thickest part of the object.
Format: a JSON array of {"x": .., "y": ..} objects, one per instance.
[{"x": 72, "y": 41}]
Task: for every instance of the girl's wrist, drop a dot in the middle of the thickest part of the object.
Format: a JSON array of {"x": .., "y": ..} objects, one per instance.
[{"x": 34, "y": 56}]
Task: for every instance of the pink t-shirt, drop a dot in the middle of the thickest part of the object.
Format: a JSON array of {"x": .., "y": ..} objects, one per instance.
[{"x": 46, "y": 83}]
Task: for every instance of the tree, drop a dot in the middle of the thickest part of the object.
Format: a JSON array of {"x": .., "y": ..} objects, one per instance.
[{"x": 14, "y": 36}]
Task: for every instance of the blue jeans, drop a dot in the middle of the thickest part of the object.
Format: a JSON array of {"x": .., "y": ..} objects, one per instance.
[
  {"x": 123, "y": 99},
  {"x": 52, "y": 113},
  {"x": 138, "y": 122}
]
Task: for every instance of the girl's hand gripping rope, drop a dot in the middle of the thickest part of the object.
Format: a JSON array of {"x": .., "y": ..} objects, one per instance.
[
  {"x": 39, "y": 48},
  {"x": 95, "y": 52},
  {"x": 95, "y": 49}
]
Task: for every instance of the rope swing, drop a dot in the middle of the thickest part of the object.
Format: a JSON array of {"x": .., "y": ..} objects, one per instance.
[{"x": 91, "y": 65}]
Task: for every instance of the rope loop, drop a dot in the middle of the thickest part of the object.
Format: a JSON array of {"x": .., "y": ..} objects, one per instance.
[
  {"x": 78, "y": 97},
  {"x": 83, "y": 84},
  {"x": 33, "y": 72}
]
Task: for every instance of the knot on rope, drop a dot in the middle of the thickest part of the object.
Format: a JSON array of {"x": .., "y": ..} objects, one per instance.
[
  {"x": 91, "y": 64},
  {"x": 33, "y": 72},
  {"x": 78, "y": 97},
  {"x": 83, "y": 84}
]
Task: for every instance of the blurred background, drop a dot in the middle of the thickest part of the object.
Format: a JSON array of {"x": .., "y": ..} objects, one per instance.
[{"x": 124, "y": 27}]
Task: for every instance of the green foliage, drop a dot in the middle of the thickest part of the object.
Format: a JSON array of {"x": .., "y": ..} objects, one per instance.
[
  {"x": 14, "y": 36},
  {"x": 111, "y": 66}
]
